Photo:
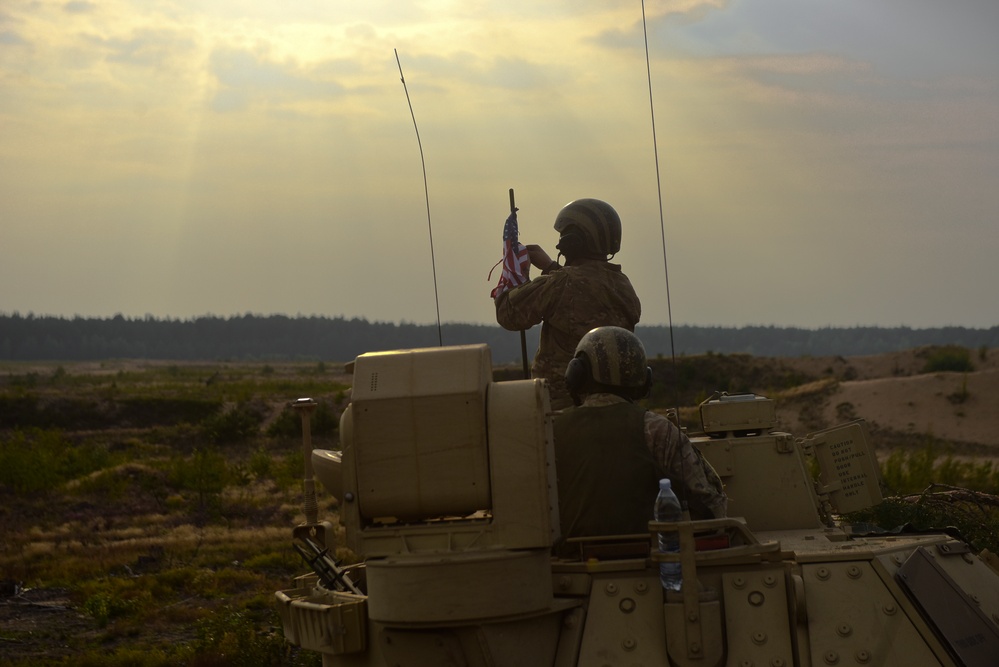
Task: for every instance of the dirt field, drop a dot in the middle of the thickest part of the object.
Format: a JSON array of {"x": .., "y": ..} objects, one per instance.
[{"x": 891, "y": 393}]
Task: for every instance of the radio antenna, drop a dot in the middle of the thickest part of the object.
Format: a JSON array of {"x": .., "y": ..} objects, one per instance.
[
  {"x": 426, "y": 191},
  {"x": 659, "y": 190},
  {"x": 662, "y": 229}
]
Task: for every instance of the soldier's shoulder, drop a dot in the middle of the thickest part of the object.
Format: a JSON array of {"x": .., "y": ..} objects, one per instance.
[{"x": 536, "y": 284}]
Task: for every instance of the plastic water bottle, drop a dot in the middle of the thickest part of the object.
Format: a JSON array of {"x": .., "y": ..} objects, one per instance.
[{"x": 668, "y": 509}]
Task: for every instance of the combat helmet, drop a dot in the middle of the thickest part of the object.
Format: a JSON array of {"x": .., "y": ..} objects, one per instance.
[
  {"x": 610, "y": 359},
  {"x": 596, "y": 223}
]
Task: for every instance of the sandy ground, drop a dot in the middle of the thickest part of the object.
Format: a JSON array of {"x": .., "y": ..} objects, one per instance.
[
  {"x": 929, "y": 404},
  {"x": 890, "y": 393}
]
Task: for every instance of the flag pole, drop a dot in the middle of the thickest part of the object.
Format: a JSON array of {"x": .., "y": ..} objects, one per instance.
[{"x": 523, "y": 334}]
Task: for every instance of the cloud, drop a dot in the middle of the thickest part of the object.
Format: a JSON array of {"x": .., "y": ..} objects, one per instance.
[
  {"x": 248, "y": 79},
  {"x": 518, "y": 74},
  {"x": 145, "y": 47},
  {"x": 9, "y": 38},
  {"x": 660, "y": 17},
  {"x": 899, "y": 38},
  {"x": 815, "y": 77},
  {"x": 466, "y": 68},
  {"x": 79, "y": 7}
]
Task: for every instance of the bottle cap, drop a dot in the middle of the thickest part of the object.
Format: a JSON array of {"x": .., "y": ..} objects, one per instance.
[{"x": 664, "y": 483}]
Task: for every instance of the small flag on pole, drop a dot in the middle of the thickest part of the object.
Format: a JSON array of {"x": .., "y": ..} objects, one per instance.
[{"x": 515, "y": 260}]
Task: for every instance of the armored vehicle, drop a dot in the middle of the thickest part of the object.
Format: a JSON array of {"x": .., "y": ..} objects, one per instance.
[{"x": 448, "y": 495}]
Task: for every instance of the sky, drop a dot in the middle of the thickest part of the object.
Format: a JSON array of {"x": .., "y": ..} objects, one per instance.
[{"x": 804, "y": 163}]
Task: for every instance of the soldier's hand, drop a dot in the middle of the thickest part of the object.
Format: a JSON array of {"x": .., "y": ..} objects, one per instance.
[{"x": 538, "y": 256}]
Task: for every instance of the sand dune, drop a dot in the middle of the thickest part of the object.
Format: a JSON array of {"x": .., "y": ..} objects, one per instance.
[{"x": 891, "y": 393}]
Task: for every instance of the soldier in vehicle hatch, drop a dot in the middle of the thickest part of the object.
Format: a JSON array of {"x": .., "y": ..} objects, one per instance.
[
  {"x": 610, "y": 453},
  {"x": 569, "y": 300}
]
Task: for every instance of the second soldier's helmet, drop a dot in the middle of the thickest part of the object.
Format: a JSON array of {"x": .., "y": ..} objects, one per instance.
[
  {"x": 595, "y": 221},
  {"x": 609, "y": 358}
]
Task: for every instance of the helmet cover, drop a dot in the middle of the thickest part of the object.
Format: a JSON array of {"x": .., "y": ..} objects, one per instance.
[
  {"x": 596, "y": 220},
  {"x": 615, "y": 356}
]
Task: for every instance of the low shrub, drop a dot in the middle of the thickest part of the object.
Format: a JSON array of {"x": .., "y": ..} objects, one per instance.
[
  {"x": 969, "y": 515},
  {"x": 952, "y": 358},
  {"x": 910, "y": 472},
  {"x": 239, "y": 423},
  {"x": 204, "y": 473},
  {"x": 37, "y": 460},
  {"x": 231, "y": 637},
  {"x": 324, "y": 422}
]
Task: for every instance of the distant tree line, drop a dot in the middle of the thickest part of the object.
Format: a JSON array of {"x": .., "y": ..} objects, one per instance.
[
  {"x": 772, "y": 341},
  {"x": 279, "y": 337}
]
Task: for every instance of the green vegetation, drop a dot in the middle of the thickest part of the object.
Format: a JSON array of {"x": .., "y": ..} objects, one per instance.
[
  {"x": 947, "y": 358},
  {"x": 323, "y": 423},
  {"x": 928, "y": 490},
  {"x": 909, "y": 472},
  {"x": 38, "y": 461},
  {"x": 153, "y": 503},
  {"x": 695, "y": 378}
]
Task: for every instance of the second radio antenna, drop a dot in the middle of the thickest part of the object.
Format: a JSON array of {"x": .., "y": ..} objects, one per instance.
[{"x": 426, "y": 191}]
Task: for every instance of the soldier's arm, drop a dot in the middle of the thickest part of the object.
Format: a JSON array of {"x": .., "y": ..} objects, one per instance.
[
  {"x": 680, "y": 460},
  {"x": 523, "y": 307}
]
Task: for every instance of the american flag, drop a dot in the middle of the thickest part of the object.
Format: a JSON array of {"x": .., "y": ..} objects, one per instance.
[{"x": 515, "y": 260}]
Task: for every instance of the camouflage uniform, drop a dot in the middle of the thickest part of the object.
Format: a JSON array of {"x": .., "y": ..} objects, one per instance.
[
  {"x": 568, "y": 301},
  {"x": 686, "y": 467},
  {"x": 677, "y": 458}
]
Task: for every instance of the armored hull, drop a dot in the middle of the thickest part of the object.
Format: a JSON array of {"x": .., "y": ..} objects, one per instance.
[{"x": 447, "y": 492}]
